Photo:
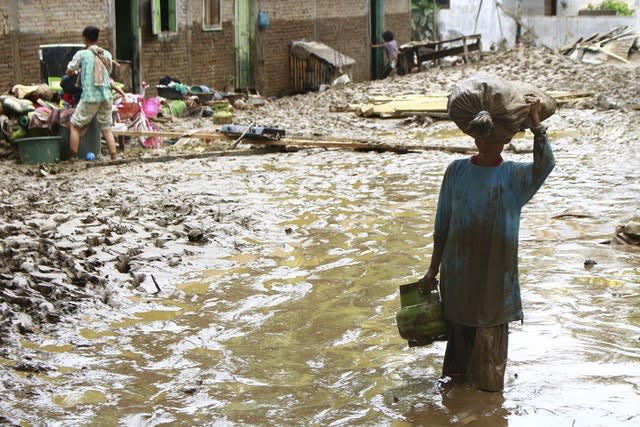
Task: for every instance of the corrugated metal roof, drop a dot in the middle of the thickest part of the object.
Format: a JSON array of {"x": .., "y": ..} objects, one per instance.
[{"x": 303, "y": 49}]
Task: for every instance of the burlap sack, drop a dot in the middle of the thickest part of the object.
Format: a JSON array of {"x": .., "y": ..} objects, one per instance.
[{"x": 487, "y": 106}]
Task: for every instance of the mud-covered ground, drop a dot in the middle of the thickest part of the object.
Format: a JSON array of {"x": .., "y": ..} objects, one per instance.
[{"x": 76, "y": 236}]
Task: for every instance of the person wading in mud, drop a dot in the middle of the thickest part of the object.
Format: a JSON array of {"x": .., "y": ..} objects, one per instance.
[
  {"x": 476, "y": 251},
  {"x": 93, "y": 65}
]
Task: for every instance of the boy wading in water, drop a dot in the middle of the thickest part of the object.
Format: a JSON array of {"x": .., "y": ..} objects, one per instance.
[
  {"x": 93, "y": 64},
  {"x": 476, "y": 251}
]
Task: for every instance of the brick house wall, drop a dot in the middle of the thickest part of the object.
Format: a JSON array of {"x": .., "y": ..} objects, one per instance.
[
  {"x": 28, "y": 24},
  {"x": 192, "y": 54},
  {"x": 342, "y": 25},
  {"x": 213, "y": 52}
]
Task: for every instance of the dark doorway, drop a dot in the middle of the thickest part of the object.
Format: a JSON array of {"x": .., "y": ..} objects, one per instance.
[
  {"x": 550, "y": 8},
  {"x": 377, "y": 27},
  {"x": 126, "y": 49}
]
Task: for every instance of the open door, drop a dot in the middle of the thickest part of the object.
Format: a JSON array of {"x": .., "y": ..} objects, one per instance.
[
  {"x": 126, "y": 39},
  {"x": 377, "y": 27},
  {"x": 244, "y": 27}
]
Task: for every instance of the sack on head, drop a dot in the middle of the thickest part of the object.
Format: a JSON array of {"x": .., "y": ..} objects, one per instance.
[{"x": 486, "y": 105}]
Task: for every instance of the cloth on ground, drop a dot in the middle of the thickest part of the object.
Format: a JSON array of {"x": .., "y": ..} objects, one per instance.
[{"x": 44, "y": 117}]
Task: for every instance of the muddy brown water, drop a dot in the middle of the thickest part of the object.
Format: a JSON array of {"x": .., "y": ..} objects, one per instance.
[{"x": 286, "y": 315}]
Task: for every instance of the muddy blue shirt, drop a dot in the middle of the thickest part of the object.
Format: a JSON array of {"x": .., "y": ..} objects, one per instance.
[{"x": 478, "y": 221}]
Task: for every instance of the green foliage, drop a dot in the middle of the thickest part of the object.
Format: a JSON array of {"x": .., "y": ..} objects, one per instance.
[
  {"x": 620, "y": 6},
  {"x": 422, "y": 20}
]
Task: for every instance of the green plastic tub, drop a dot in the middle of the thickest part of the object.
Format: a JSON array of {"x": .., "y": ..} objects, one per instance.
[{"x": 42, "y": 149}]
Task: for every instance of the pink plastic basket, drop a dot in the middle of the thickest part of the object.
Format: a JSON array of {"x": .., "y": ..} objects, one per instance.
[{"x": 151, "y": 107}]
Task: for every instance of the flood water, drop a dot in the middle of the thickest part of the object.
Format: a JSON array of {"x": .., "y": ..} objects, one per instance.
[{"x": 294, "y": 322}]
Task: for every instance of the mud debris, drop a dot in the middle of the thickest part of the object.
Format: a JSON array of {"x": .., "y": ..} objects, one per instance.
[{"x": 57, "y": 253}]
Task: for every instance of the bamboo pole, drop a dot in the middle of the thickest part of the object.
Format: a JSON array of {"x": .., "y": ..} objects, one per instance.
[
  {"x": 169, "y": 134},
  {"x": 302, "y": 142}
]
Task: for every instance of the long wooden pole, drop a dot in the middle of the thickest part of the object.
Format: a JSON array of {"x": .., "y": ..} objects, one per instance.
[
  {"x": 435, "y": 21},
  {"x": 301, "y": 142}
]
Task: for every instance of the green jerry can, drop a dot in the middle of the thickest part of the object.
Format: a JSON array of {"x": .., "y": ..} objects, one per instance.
[{"x": 420, "y": 319}]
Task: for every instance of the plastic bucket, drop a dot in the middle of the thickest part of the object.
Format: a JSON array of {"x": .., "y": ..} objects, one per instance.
[{"x": 42, "y": 149}]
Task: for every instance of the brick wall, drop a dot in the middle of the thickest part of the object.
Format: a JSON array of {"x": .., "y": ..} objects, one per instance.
[
  {"x": 400, "y": 26},
  {"x": 164, "y": 56},
  {"x": 193, "y": 55},
  {"x": 355, "y": 44},
  {"x": 43, "y": 22},
  {"x": 212, "y": 59},
  {"x": 274, "y": 72},
  {"x": 342, "y": 25},
  {"x": 213, "y": 56}
]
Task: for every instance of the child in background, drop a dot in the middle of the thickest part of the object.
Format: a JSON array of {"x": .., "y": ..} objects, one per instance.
[{"x": 391, "y": 52}]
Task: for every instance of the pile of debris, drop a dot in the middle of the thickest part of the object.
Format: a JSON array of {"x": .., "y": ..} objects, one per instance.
[
  {"x": 628, "y": 232},
  {"x": 618, "y": 45}
]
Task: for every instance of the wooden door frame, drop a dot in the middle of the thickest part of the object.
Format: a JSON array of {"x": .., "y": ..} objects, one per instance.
[
  {"x": 376, "y": 27},
  {"x": 239, "y": 74}
]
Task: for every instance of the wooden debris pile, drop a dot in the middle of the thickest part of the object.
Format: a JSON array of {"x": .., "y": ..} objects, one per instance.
[
  {"x": 388, "y": 106},
  {"x": 434, "y": 106},
  {"x": 619, "y": 45}
]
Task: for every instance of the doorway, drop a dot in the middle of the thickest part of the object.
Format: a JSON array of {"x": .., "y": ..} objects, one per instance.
[
  {"x": 126, "y": 43},
  {"x": 377, "y": 27}
]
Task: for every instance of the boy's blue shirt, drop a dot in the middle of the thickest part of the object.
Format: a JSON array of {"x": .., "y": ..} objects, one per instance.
[{"x": 478, "y": 222}]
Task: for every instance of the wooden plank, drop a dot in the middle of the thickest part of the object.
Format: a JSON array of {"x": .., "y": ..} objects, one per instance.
[
  {"x": 434, "y": 44},
  {"x": 433, "y": 105},
  {"x": 606, "y": 51},
  {"x": 465, "y": 54},
  {"x": 452, "y": 51},
  {"x": 363, "y": 145},
  {"x": 168, "y": 134},
  {"x": 427, "y": 104},
  {"x": 306, "y": 142},
  {"x": 409, "y": 97},
  {"x": 564, "y": 96}
]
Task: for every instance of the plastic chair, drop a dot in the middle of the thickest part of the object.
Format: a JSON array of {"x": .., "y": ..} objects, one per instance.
[{"x": 54, "y": 84}]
